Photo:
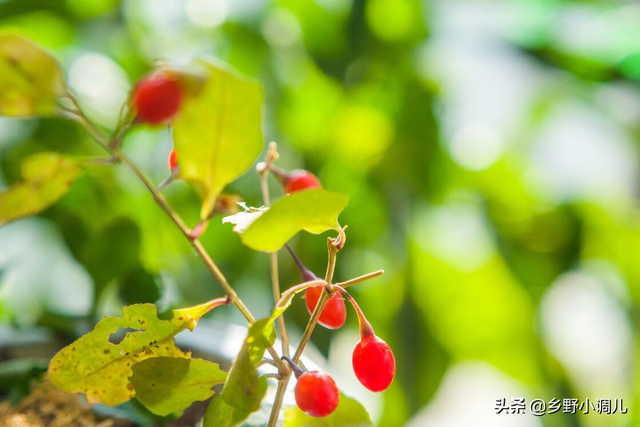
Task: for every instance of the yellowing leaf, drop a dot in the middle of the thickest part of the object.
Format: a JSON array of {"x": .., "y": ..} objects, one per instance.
[
  {"x": 218, "y": 133},
  {"x": 315, "y": 210},
  {"x": 101, "y": 368},
  {"x": 31, "y": 80},
  {"x": 47, "y": 177}
]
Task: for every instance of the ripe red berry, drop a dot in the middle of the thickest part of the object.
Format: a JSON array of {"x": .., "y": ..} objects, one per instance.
[
  {"x": 156, "y": 98},
  {"x": 173, "y": 160},
  {"x": 334, "y": 313},
  {"x": 317, "y": 394},
  {"x": 374, "y": 363},
  {"x": 300, "y": 179}
]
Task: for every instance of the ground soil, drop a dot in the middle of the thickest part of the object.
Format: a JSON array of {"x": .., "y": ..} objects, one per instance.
[{"x": 48, "y": 407}]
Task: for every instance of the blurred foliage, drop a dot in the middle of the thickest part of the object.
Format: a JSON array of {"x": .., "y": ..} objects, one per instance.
[{"x": 489, "y": 150}]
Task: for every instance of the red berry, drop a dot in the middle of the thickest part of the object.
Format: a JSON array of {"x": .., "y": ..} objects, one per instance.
[
  {"x": 374, "y": 363},
  {"x": 156, "y": 98},
  {"x": 317, "y": 394},
  {"x": 300, "y": 179},
  {"x": 334, "y": 313},
  {"x": 173, "y": 160}
]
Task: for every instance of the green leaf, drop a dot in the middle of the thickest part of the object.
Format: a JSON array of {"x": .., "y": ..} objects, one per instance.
[
  {"x": 166, "y": 385},
  {"x": 218, "y": 132},
  {"x": 31, "y": 80},
  {"x": 101, "y": 369},
  {"x": 349, "y": 413},
  {"x": 244, "y": 389},
  {"x": 220, "y": 414},
  {"x": 315, "y": 210},
  {"x": 47, "y": 177}
]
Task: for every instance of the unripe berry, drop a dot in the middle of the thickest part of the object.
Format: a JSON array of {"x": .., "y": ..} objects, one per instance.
[
  {"x": 334, "y": 313},
  {"x": 156, "y": 98},
  {"x": 300, "y": 179},
  {"x": 173, "y": 160},
  {"x": 374, "y": 363},
  {"x": 317, "y": 394}
]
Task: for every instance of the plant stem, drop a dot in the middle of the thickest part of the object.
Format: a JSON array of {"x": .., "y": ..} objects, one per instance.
[
  {"x": 366, "y": 330},
  {"x": 103, "y": 141},
  {"x": 332, "y": 245},
  {"x": 197, "y": 245},
  {"x": 277, "y": 401},
  {"x": 275, "y": 284},
  {"x": 284, "y": 336},
  {"x": 272, "y": 154},
  {"x": 282, "y": 384},
  {"x": 360, "y": 278}
]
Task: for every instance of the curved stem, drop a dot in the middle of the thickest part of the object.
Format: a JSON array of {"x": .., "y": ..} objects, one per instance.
[
  {"x": 272, "y": 154},
  {"x": 333, "y": 251},
  {"x": 366, "y": 330},
  {"x": 102, "y": 140},
  {"x": 289, "y": 293}
]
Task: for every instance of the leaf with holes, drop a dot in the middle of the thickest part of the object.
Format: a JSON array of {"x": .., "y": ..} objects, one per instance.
[
  {"x": 166, "y": 385},
  {"x": 31, "y": 80},
  {"x": 315, "y": 210},
  {"x": 349, "y": 413},
  {"x": 218, "y": 132},
  {"x": 100, "y": 368},
  {"x": 46, "y": 178},
  {"x": 244, "y": 389}
]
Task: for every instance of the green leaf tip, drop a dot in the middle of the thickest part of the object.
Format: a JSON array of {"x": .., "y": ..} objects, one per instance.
[
  {"x": 191, "y": 315},
  {"x": 218, "y": 132},
  {"x": 315, "y": 210},
  {"x": 31, "y": 81},
  {"x": 46, "y": 178}
]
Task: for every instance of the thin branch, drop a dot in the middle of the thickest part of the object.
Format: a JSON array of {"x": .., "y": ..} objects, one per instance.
[
  {"x": 104, "y": 142},
  {"x": 360, "y": 278},
  {"x": 277, "y": 402},
  {"x": 332, "y": 245}
]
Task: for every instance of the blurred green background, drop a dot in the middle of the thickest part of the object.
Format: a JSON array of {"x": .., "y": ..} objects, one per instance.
[{"x": 490, "y": 150}]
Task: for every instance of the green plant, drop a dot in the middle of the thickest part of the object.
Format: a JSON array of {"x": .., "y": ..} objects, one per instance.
[{"x": 219, "y": 138}]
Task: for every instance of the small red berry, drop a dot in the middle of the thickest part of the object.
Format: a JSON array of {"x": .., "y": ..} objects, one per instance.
[
  {"x": 317, "y": 394},
  {"x": 156, "y": 98},
  {"x": 300, "y": 179},
  {"x": 374, "y": 363},
  {"x": 334, "y": 313},
  {"x": 173, "y": 160}
]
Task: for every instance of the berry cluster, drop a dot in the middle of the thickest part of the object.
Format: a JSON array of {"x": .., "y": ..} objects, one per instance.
[
  {"x": 373, "y": 361},
  {"x": 156, "y": 99}
]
